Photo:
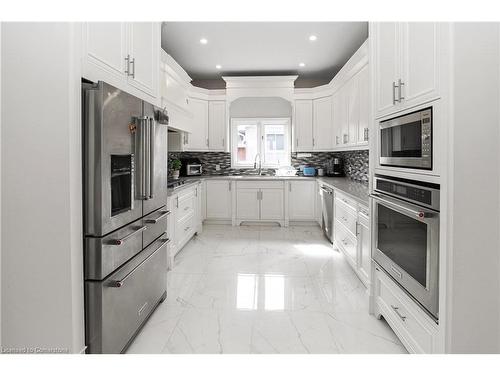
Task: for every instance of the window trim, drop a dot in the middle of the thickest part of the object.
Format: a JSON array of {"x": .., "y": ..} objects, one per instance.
[{"x": 235, "y": 121}]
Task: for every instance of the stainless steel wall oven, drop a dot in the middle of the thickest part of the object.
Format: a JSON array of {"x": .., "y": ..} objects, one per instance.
[{"x": 406, "y": 237}]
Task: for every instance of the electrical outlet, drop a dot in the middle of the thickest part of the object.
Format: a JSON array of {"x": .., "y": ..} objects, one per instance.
[{"x": 217, "y": 167}]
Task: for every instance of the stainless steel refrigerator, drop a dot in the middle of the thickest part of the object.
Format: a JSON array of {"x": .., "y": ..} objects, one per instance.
[{"x": 125, "y": 216}]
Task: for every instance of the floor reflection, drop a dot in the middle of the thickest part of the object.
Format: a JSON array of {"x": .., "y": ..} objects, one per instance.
[{"x": 271, "y": 292}]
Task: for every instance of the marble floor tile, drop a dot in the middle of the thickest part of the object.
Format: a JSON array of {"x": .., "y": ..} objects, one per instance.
[{"x": 263, "y": 289}]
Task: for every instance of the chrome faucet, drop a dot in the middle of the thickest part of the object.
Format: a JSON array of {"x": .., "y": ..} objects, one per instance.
[{"x": 260, "y": 163}]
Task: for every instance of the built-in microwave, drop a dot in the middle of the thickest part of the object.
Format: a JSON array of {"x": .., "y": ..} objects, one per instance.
[
  {"x": 406, "y": 236},
  {"x": 406, "y": 140}
]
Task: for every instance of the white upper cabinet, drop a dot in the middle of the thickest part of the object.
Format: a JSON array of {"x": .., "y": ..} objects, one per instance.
[
  {"x": 217, "y": 125},
  {"x": 406, "y": 64},
  {"x": 144, "y": 39},
  {"x": 197, "y": 140},
  {"x": 303, "y": 125},
  {"x": 385, "y": 39},
  {"x": 125, "y": 55},
  {"x": 302, "y": 200},
  {"x": 364, "y": 106},
  {"x": 323, "y": 124},
  {"x": 420, "y": 65},
  {"x": 105, "y": 45},
  {"x": 351, "y": 136},
  {"x": 339, "y": 117}
]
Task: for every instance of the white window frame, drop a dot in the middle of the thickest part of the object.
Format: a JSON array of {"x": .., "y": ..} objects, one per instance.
[{"x": 261, "y": 145}]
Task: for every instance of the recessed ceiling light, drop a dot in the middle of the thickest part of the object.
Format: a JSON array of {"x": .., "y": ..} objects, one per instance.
[
  {"x": 203, "y": 41},
  {"x": 302, "y": 65},
  {"x": 312, "y": 38},
  {"x": 218, "y": 66}
]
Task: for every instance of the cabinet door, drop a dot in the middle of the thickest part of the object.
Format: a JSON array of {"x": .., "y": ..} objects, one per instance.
[
  {"x": 364, "y": 256},
  {"x": 386, "y": 65},
  {"x": 217, "y": 125},
  {"x": 105, "y": 49},
  {"x": 272, "y": 204},
  {"x": 420, "y": 62},
  {"x": 364, "y": 106},
  {"x": 218, "y": 199},
  {"x": 303, "y": 125},
  {"x": 197, "y": 140},
  {"x": 337, "y": 119},
  {"x": 247, "y": 204},
  {"x": 144, "y": 49},
  {"x": 353, "y": 111},
  {"x": 302, "y": 200},
  {"x": 344, "y": 114},
  {"x": 323, "y": 124}
]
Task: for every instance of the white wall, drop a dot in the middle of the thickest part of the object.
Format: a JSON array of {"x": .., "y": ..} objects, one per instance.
[
  {"x": 474, "y": 269},
  {"x": 260, "y": 107},
  {"x": 42, "y": 257}
]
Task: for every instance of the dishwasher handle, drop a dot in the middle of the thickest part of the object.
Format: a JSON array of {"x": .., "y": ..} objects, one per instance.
[{"x": 326, "y": 190}]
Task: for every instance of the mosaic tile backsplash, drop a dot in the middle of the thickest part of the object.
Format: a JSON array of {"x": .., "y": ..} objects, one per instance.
[{"x": 355, "y": 162}]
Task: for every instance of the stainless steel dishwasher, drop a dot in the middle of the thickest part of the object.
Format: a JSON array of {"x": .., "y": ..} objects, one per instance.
[{"x": 326, "y": 194}]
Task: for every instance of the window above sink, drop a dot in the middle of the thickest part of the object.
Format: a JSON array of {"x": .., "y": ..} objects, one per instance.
[{"x": 265, "y": 138}]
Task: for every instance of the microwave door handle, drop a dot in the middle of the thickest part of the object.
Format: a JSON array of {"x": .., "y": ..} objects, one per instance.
[
  {"x": 152, "y": 131},
  {"x": 405, "y": 210}
]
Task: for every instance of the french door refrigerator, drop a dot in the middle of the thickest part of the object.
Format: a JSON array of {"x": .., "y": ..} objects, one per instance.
[{"x": 125, "y": 216}]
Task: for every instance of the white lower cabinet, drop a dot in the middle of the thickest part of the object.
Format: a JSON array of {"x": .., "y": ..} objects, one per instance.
[
  {"x": 260, "y": 201},
  {"x": 272, "y": 204},
  {"x": 351, "y": 234},
  {"x": 247, "y": 203},
  {"x": 416, "y": 330},
  {"x": 302, "y": 200},
  {"x": 184, "y": 220},
  {"x": 219, "y": 199}
]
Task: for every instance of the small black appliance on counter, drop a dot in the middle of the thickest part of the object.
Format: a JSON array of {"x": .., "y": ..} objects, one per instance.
[
  {"x": 335, "y": 167},
  {"x": 190, "y": 167}
]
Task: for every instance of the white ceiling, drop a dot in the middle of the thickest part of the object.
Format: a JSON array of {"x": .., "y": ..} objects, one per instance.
[{"x": 262, "y": 48}]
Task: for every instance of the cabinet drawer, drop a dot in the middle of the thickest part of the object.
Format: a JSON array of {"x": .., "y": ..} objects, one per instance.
[
  {"x": 346, "y": 216},
  {"x": 186, "y": 205},
  {"x": 345, "y": 241},
  {"x": 156, "y": 224},
  {"x": 184, "y": 229},
  {"x": 351, "y": 203},
  {"x": 405, "y": 316}
]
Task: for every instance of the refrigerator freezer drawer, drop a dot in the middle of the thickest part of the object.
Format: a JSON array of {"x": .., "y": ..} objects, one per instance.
[
  {"x": 156, "y": 222},
  {"x": 103, "y": 255},
  {"x": 118, "y": 306}
]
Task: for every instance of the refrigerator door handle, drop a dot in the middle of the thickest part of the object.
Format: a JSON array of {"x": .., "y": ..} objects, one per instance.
[
  {"x": 140, "y": 153},
  {"x": 147, "y": 158},
  {"x": 152, "y": 136}
]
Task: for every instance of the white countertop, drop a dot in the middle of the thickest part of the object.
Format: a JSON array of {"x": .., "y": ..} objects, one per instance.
[{"x": 354, "y": 189}]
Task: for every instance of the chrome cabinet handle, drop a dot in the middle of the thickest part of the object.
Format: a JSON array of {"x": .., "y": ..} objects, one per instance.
[
  {"x": 119, "y": 283},
  {"x": 400, "y": 86},
  {"x": 127, "y": 70},
  {"x": 207, "y": 142},
  {"x": 121, "y": 241},
  {"x": 357, "y": 231},
  {"x": 297, "y": 142},
  {"x": 132, "y": 62},
  {"x": 223, "y": 142},
  {"x": 336, "y": 139},
  {"x": 396, "y": 310},
  {"x": 186, "y": 229},
  {"x": 177, "y": 202},
  {"x": 394, "y": 86},
  {"x": 229, "y": 185},
  {"x": 163, "y": 215},
  {"x": 366, "y": 134}
]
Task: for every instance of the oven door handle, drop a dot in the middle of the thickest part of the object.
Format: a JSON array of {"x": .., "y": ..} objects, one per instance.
[{"x": 419, "y": 214}]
